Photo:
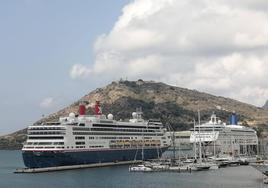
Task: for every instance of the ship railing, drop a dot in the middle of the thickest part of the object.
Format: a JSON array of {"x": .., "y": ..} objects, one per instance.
[{"x": 51, "y": 123}]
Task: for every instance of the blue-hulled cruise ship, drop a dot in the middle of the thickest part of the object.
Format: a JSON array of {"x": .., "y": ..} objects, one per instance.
[{"x": 85, "y": 139}]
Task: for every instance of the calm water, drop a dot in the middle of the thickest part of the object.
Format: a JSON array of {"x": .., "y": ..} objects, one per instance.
[{"x": 119, "y": 177}]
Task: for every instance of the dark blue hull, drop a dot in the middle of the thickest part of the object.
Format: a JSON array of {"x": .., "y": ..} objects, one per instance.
[{"x": 33, "y": 159}]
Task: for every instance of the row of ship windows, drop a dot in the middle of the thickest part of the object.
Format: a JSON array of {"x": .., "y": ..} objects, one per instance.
[
  {"x": 111, "y": 146},
  {"x": 49, "y": 147},
  {"x": 134, "y": 141},
  {"x": 81, "y": 137},
  {"x": 47, "y": 128},
  {"x": 206, "y": 129},
  {"x": 225, "y": 135},
  {"x": 128, "y": 142},
  {"x": 220, "y": 129},
  {"x": 114, "y": 139},
  {"x": 113, "y": 129},
  {"x": 133, "y": 146},
  {"x": 45, "y": 143},
  {"x": 89, "y": 147},
  {"x": 45, "y": 137},
  {"x": 98, "y": 133},
  {"x": 242, "y": 136},
  {"x": 126, "y": 126},
  {"x": 238, "y": 137},
  {"x": 85, "y": 147},
  {"x": 82, "y": 145},
  {"x": 45, "y": 133},
  {"x": 240, "y": 141},
  {"x": 109, "y": 137},
  {"x": 244, "y": 131},
  {"x": 124, "y": 130},
  {"x": 80, "y": 129},
  {"x": 61, "y": 147},
  {"x": 182, "y": 137}
]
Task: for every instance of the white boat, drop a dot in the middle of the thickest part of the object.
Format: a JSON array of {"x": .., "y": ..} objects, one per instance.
[
  {"x": 140, "y": 168},
  {"x": 188, "y": 161},
  {"x": 181, "y": 168},
  {"x": 200, "y": 166},
  {"x": 157, "y": 166},
  {"x": 213, "y": 166}
]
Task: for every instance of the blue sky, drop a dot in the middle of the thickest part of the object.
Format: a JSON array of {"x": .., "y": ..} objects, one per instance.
[
  {"x": 52, "y": 52},
  {"x": 40, "y": 41}
]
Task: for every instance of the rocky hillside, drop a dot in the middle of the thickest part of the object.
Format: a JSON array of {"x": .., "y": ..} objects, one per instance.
[
  {"x": 173, "y": 105},
  {"x": 265, "y": 106},
  {"x": 14, "y": 140}
]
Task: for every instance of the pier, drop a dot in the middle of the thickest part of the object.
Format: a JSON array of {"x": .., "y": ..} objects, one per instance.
[{"x": 73, "y": 167}]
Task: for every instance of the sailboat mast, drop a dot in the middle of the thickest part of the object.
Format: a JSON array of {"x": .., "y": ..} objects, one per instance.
[
  {"x": 194, "y": 141},
  {"x": 200, "y": 149},
  {"x": 214, "y": 140}
]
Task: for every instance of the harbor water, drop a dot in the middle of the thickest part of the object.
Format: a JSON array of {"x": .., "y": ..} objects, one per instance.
[{"x": 120, "y": 177}]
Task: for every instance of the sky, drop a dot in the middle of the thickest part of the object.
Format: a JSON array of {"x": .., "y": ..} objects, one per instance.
[
  {"x": 40, "y": 41},
  {"x": 54, "y": 52}
]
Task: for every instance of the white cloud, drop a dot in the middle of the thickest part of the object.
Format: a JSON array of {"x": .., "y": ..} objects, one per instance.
[
  {"x": 47, "y": 102},
  {"x": 79, "y": 71},
  {"x": 214, "y": 46}
]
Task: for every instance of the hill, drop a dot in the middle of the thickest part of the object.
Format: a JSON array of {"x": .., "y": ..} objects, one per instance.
[{"x": 173, "y": 105}]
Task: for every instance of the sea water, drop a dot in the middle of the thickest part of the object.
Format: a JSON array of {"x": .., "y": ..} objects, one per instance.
[{"x": 120, "y": 177}]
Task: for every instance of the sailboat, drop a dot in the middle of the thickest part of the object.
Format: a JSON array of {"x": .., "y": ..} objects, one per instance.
[
  {"x": 199, "y": 165},
  {"x": 140, "y": 167}
]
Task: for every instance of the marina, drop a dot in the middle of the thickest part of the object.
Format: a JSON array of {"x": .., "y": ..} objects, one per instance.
[
  {"x": 138, "y": 142},
  {"x": 81, "y": 141},
  {"x": 120, "y": 177}
]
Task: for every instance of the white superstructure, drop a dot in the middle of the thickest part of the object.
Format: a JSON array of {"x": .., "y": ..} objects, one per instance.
[
  {"x": 91, "y": 132},
  {"x": 221, "y": 139},
  {"x": 93, "y": 138}
]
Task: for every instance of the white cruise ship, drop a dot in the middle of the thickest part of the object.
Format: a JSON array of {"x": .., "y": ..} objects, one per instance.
[
  {"x": 220, "y": 139},
  {"x": 84, "y": 139}
]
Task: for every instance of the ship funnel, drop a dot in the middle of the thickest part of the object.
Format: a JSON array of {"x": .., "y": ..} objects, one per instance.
[
  {"x": 82, "y": 109},
  {"x": 97, "y": 108},
  {"x": 233, "y": 119}
]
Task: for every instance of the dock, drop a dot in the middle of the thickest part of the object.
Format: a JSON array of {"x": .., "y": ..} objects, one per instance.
[{"x": 73, "y": 167}]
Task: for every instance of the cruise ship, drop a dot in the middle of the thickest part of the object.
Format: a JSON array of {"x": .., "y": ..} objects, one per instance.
[
  {"x": 220, "y": 139},
  {"x": 84, "y": 139}
]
